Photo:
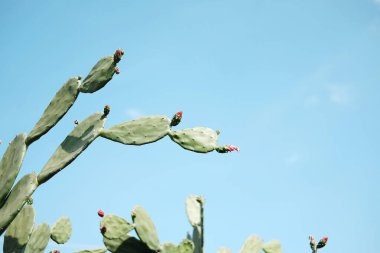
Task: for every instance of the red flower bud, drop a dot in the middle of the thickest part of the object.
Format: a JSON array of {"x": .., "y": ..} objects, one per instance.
[
  {"x": 322, "y": 242},
  {"x": 101, "y": 213},
  {"x": 103, "y": 229},
  {"x": 176, "y": 119},
  {"x": 232, "y": 148},
  {"x": 117, "y": 70},
  {"x": 118, "y": 54}
]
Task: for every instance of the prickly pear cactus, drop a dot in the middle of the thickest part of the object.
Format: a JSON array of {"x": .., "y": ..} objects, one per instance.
[
  {"x": 61, "y": 230},
  {"x": 137, "y": 132}
]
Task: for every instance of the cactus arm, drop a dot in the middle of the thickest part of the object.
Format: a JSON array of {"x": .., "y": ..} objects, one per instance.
[
  {"x": 197, "y": 139},
  {"x": 145, "y": 228},
  {"x": 169, "y": 248},
  {"x": 253, "y": 244},
  {"x": 10, "y": 165},
  {"x": 273, "y": 246},
  {"x": 18, "y": 232},
  {"x": 39, "y": 239},
  {"x": 61, "y": 230},
  {"x": 57, "y": 108},
  {"x": 92, "y": 251},
  {"x": 140, "y": 131},
  {"x": 115, "y": 226},
  {"x": 194, "y": 211},
  {"x": 186, "y": 246},
  {"x": 74, "y": 144},
  {"x": 19, "y": 195}
]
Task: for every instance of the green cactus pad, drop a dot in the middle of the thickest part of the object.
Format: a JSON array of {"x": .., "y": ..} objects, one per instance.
[
  {"x": 92, "y": 251},
  {"x": 19, "y": 230},
  {"x": 197, "y": 139},
  {"x": 10, "y": 164},
  {"x": 61, "y": 230},
  {"x": 116, "y": 227},
  {"x": 74, "y": 144},
  {"x": 193, "y": 209},
  {"x": 39, "y": 239},
  {"x": 140, "y": 131},
  {"x": 223, "y": 250},
  {"x": 273, "y": 246},
  {"x": 253, "y": 244},
  {"x": 19, "y": 195},
  {"x": 169, "y": 248},
  {"x": 99, "y": 75},
  {"x": 129, "y": 245},
  {"x": 186, "y": 246},
  {"x": 197, "y": 239},
  {"x": 57, "y": 108},
  {"x": 145, "y": 228}
]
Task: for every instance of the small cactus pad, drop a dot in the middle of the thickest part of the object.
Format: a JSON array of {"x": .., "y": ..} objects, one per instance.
[
  {"x": 19, "y": 230},
  {"x": 273, "y": 246},
  {"x": 99, "y": 75},
  {"x": 140, "y": 131},
  {"x": 61, "y": 230},
  {"x": 193, "y": 209},
  {"x": 253, "y": 244},
  {"x": 19, "y": 195},
  {"x": 10, "y": 164},
  {"x": 223, "y": 250},
  {"x": 39, "y": 239},
  {"x": 74, "y": 144},
  {"x": 197, "y": 139},
  {"x": 186, "y": 246},
  {"x": 145, "y": 228},
  {"x": 57, "y": 108},
  {"x": 197, "y": 239},
  {"x": 169, "y": 248},
  {"x": 92, "y": 251},
  {"x": 116, "y": 227},
  {"x": 128, "y": 245}
]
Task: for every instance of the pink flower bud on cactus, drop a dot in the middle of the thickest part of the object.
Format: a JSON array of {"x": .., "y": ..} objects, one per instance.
[
  {"x": 117, "y": 70},
  {"x": 56, "y": 251},
  {"x": 312, "y": 241},
  {"x": 101, "y": 213},
  {"x": 176, "y": 119},
  {"x": 106, "y": 110},
  {"x": 227, "y": 148},
  {"x": 118, "y": 54},
  {"x": 322, "y": 242},
  {"x": 233, "y": 148}
]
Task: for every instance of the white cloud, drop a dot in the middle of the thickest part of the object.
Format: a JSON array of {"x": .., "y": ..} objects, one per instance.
[
  {"x": 134, "y": 113},
  {"x": 293, "y": 158},
  {"x": 338, "y": 95}
]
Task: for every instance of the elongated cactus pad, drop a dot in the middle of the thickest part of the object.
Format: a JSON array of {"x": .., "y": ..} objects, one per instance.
[
  {"x": 61, "y": 230},
  {"x": 10, "y": 164},
  {"x": 92, "y": 251},
  {"x": 57, "y": 108},
  {"x": 129, "y": 245},
  {"x": 99, "y": 75},
  {"x": 186, "y": 246},
  {"x": 145, "y": 228},
  {"x": 140, "y": 131},
  {"x": 19, "y": 230},
  {"x": 19, "y": 195},
  {"x": 115, "y": 226},
  {"x": 223, "y": 250},
  {"x": 39, "y": 239},
  {"x": 273, "y": 246},
  {"x": 169, "y": 248},
  {"x": 74, "y": 144},
  {"x": 197, "y": 139},
  {"x": 193, "y": 209},
  {"x": 253, "y": 244}
]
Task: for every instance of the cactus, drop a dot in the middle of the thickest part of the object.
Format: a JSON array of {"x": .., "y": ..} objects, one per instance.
[
  {"x": 137, "y": 132},
  {"x": 61, "y": 230},
  {"x": 39, "y": 239}
]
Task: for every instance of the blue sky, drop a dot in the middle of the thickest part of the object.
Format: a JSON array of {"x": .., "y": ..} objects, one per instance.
[{"x": 295, "y": 84}]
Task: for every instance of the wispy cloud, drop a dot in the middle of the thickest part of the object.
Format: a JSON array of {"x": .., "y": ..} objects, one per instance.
[
  {"x": 293, "y": 158},
  {"x": 134, "y": 113},
  {"x": 338, "y": 95}
]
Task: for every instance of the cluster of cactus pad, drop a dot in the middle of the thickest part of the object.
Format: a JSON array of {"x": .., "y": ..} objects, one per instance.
[
  {"x": 141, "y": 131},
  {"x": 17, "y": 219}
]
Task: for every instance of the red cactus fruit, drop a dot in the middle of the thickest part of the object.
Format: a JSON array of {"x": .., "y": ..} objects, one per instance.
[{"x": 101, "y": 213}]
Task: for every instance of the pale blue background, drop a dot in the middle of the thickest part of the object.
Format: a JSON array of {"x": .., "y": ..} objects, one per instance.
[{"x": 294, "y": 83}]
